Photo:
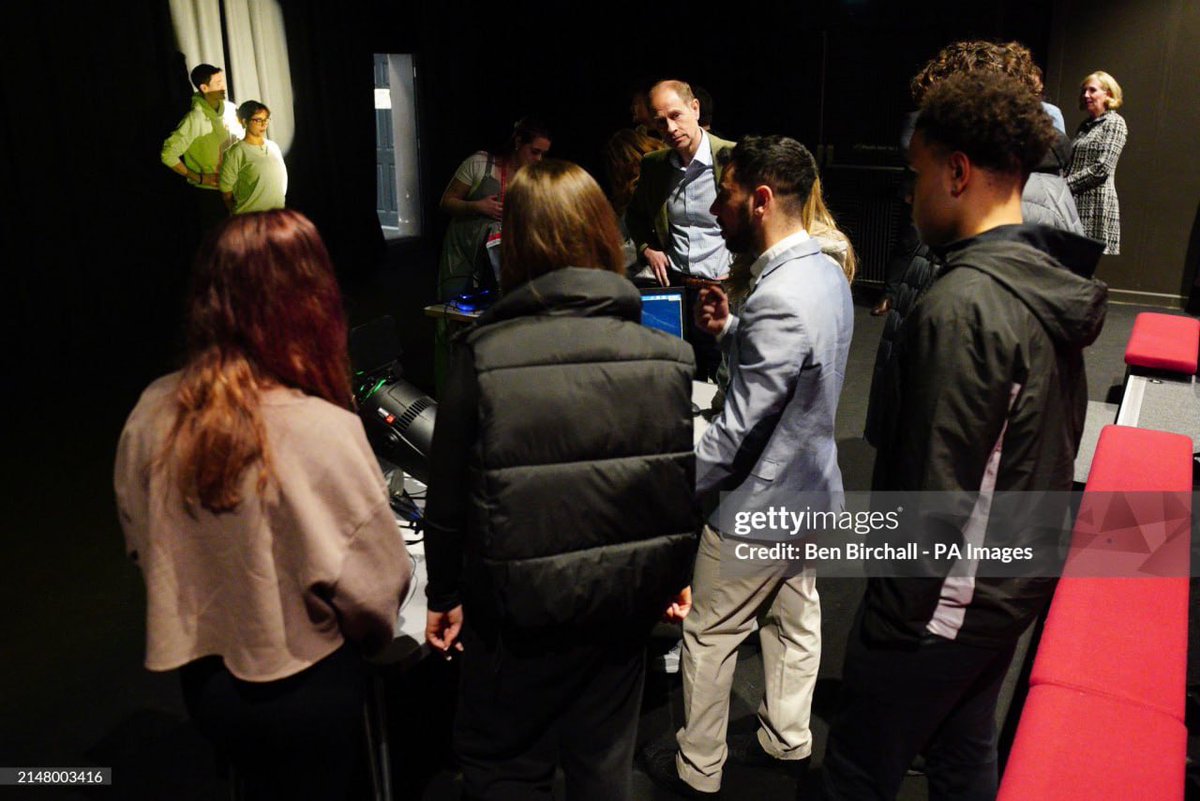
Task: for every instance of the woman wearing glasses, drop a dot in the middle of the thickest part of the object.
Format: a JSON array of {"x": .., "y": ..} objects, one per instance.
[{"x": 253, "y": 175}]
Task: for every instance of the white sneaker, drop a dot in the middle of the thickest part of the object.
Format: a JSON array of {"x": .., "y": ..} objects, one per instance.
[{"x": 667, "y": 662}]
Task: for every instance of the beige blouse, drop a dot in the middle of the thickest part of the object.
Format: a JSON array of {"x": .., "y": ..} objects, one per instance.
[{"x": 276, "y": 584}]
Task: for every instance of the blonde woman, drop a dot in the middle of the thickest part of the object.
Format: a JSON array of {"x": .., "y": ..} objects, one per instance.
[{"x": 1094, "y": 154}]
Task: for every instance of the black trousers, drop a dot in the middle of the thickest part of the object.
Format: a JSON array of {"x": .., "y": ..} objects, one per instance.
[
  {"x": 938, "y": 698},
  {"x": 298, "y": 737},
  {"x": 528, "y": 704},
  {"x": 708, "y": 352},
  {"x": 210, "y": 209}
]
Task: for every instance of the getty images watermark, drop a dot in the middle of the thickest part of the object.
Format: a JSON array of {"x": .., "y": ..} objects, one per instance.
[{"x": 938, "y": 534}]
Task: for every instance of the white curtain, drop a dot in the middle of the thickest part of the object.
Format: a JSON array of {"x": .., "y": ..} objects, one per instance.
[
  {"x": 259, "y": 62},
  {"x": 198, "y": 31},
  {"x": 258, "y": 67}
]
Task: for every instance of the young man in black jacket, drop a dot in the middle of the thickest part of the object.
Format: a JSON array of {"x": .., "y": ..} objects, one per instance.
[{"x": 989, "y": 381}]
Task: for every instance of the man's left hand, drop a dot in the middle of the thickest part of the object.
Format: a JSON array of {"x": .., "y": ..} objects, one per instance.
[
  {"x": 681, "y": 604},
  {"x": 442, "y": 629}
]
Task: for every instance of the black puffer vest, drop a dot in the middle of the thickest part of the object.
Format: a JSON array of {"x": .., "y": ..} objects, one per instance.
[{"x": 582, "y": 475}]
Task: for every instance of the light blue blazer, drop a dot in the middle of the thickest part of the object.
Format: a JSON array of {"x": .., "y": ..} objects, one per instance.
[{"x": 787, "y": 351}]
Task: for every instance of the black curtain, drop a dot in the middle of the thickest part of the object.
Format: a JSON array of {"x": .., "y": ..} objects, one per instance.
[
  {"x": 331, "y": 165},
  {"x": 94, "y": 229}
]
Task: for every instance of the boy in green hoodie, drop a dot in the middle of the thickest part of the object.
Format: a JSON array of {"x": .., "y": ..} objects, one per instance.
[{"x": 195, "y": 148}]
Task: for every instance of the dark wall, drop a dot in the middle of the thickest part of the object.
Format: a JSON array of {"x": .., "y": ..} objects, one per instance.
[
  {"x": 831, "y": 73},
  {"x": 92, "y": 244},
  {"x": 96, "y": 233},
  {"x": 840, "y": 68},
  {"x": 1151, "y": 47}
]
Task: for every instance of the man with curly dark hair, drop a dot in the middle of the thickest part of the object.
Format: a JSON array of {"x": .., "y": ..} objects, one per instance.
[{"x": 988, "y": 378}]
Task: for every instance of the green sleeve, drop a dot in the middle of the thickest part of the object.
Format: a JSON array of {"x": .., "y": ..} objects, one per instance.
[{"x": 180, "y": 140}]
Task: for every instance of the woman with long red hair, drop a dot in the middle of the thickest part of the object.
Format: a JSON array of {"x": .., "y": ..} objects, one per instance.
[{"x": 259, "y": 517}]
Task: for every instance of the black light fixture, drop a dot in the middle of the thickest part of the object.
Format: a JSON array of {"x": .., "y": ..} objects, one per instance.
[{"x": 397, "y": 417}]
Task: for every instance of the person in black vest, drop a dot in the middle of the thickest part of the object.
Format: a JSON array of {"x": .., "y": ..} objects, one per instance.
[{"x": 560, "y": 515}]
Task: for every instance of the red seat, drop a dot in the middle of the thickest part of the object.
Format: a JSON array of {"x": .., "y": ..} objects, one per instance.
[
  {"x": 1108, "y": 622},
  {"x": 1140, "y": 460},
  {"x": 1135, "y": 518},
  {"x": 1072, "y": 745},
  {"x": 1104, "y": 715},
  {"x": 1169, "y": 342},
  {"x": 1120, "y": 637}
]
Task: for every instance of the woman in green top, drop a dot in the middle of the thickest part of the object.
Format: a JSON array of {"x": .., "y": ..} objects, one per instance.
[{"x": 253, "y": 175}]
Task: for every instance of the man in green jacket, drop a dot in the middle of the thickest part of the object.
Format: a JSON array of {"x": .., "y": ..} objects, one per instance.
[
  {"x": 195, "y": 148},
  {"x": 669, "y": 217}
]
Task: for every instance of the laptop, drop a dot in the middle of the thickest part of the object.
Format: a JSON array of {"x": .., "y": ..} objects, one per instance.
[{"x": 662, "y": 309}]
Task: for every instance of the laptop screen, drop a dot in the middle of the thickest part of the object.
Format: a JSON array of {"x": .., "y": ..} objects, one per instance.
[{"x": 663, "y": 309}]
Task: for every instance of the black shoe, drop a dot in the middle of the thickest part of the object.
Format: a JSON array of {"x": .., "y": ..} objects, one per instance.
[
  {"x": 745, "y": 749},
  {"x": 658, "y": 762}
]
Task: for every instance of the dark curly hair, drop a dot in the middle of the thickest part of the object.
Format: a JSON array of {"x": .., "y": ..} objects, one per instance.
[
  {"x": 993, "y": 118},
  {"x": 977, "y": 55},
  {"x": 1018, "y": 62}
]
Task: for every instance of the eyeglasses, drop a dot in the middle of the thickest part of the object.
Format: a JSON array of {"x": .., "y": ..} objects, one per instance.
[{"x": 263, "y": 120}]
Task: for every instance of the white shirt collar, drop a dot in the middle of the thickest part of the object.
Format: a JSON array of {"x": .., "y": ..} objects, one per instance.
[
  {"x": 703, "y": 155},
  {"x": 789, "y": 241}
]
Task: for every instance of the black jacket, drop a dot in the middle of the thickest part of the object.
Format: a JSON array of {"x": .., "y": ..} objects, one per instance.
[
  {"x": 563, "y": 475},
  {"x": 989, "y": 368},
  {"x": 911, "y": 270}
]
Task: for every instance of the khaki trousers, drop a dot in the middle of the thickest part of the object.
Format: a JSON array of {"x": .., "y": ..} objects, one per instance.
[{"x": 726, "y": 604}]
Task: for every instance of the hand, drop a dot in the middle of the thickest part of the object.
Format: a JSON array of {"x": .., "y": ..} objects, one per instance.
[
  {"x": 210, "y": 179},
  {"x": 712, "y": 310},
  {"x": 442, "y": 628},
  {"x": 681, "y": 604},
  {"x": 490, "y": 207},
  {"x": 658, "y": 262}
]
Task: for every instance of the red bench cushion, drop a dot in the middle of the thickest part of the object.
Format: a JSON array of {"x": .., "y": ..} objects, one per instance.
[
  {"x": 1072, "y": 745},
  {"x": 1131, "y": 459},
  {"x": 1164, "y": 342},
  {"x": 1135, "y": 517},
  {"x": 1122, "y": 637},
  {"x": 1108, "y": 630}
]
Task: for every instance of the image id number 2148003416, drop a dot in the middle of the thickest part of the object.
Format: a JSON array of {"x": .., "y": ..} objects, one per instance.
[{"x": 55, "y": 777}]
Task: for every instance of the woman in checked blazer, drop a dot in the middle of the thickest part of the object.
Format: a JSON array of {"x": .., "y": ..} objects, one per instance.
[{"x": 1095, "y": 151}]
